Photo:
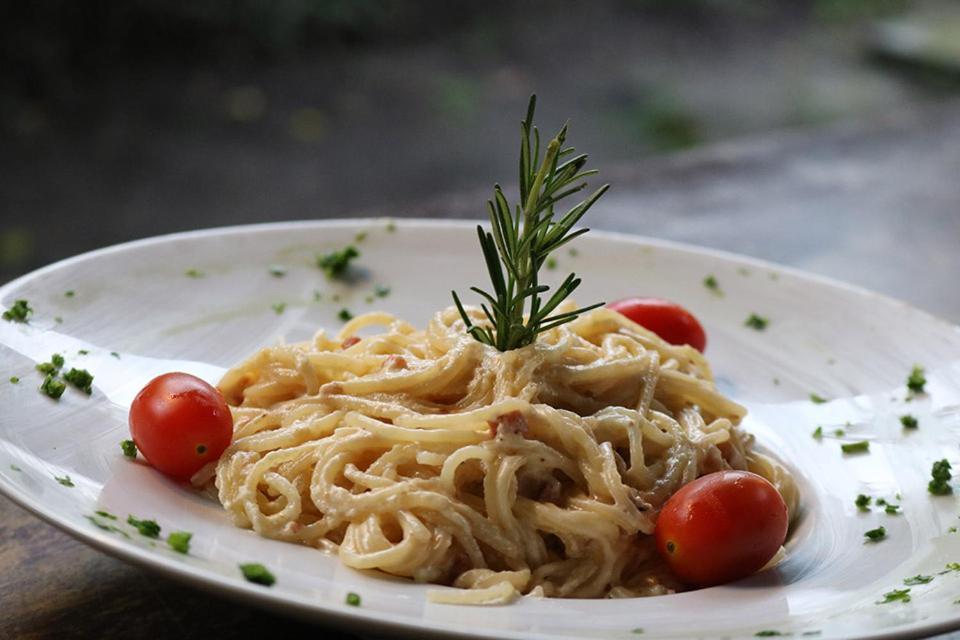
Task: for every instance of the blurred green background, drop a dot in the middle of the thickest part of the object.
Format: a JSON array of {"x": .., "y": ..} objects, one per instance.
[{"x": 124, "y": 120}]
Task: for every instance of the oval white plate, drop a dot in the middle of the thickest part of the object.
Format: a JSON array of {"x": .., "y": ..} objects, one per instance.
[{"x": 843, "y": 343}]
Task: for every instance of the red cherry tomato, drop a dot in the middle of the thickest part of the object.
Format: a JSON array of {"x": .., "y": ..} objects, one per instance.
[
  {"x": 179, "y": 423},
  {"x": 721, "y": 527},
  {"x": 667, "y": 319}
]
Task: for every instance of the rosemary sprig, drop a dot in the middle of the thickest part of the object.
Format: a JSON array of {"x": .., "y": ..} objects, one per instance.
[{"x": 521, "y": 239}]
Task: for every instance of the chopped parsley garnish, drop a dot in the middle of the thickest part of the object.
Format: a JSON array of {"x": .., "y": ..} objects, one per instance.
[
  {"x": 862, "y": 446},
  {"x": 81, "y": 379},
  {"x": 278, "y": 307},
  {"x": 179, "y": 541},
  {"x": 193, "y": 273},
  {"x": 381, "y": 291},
  {"x": 58, "y": 319},
  {"x": 14, "y": 467},
  {"x": 551, "y": 263},
  {"x": 353, "y": 599},
  {"x": 710, "y": 282},
  {"x": 918, "y": 579},
  {"x": 916, "y": 381},
  {"x": 54, "y": 366},
  {"x": 909, "y": 422},
  {"x": 637, "y": 630},
  {"x": 277, "y": 270},
  {"x": 69, "y": 294},
  {"x": 767, "y": 633},
  {"x": 839, "y": 432},
  {"x": 875, "y": 535},
  {"x": 939, "y": 484},
  {"x": 52, "y": 387},
  {"x": 65, "y": 481},
  {"x": 82, "y": 352},
  {"x": 18, "y": 312},
  {"x": 892, "y": 509},
  {"x": 257, "y": 573},
  {"x": 360, "y": 237},
  {"x": 345, "y": 315},
  {"x": 863, "y": 502},
  {"x": 335, "y": 263},
  {"x": 14, "y": 379},
  {"x": 952, "y": 530},
  {"x": 129, "y": 448},
  {"x": 897, "y": 595},
  {"x": 106, "y": 514},
  {"x": 391, "y": 226},
  {"x": 105, "y": 525},
  {"x": 147, "y": 528},
  {"x": 818, "y": 433},
  {"x": 816, "y": 398},
  {"x": 756, "y": 322},
  {"x": 951, "y": 566},
  {"x": 115, "y": 354}
]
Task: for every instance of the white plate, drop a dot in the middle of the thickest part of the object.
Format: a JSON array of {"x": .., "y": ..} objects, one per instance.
[{"x": 840, "y": 342}]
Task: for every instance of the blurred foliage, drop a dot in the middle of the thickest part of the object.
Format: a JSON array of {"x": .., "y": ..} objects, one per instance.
[
  {"x": 691, "y": 8},
  {"x": 17, "y": 246},
  {"x": 935, "y": 76},
  {"x": 457, "y": 98},
  {"x": 923, "y": 47},
  {"x": 659, "y": 122},
  {"x": 308, "y": 124},
  {"x": 851, "y": 10},
  {"x": 44, "y": 43},
  {"x": 246, "y": 103}
]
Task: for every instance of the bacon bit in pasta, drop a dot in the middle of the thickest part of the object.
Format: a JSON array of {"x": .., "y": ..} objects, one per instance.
[
  {"x": 512, "y": 423},
  {"x": 640, "y": 503},
  {"x": 349, "y": 342},
  {"x": 551, "y": 492},
  {"x": 395, "y": 362}
]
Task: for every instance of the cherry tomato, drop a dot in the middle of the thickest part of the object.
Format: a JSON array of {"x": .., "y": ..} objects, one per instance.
[
  {"x": 179, "y": 423},
  {"x": 667, "y": 319},
  {"x": 721, "y": 527}
]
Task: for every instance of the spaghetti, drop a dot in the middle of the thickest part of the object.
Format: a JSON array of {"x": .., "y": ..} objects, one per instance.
[{"x": 429, "y": 455}]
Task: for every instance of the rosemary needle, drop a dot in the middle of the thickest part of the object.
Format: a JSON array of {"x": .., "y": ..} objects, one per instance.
[{"x": 522, "y": 238}]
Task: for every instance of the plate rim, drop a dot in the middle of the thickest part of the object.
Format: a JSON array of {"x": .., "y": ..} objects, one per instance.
[{"x": 471, "y": 223}]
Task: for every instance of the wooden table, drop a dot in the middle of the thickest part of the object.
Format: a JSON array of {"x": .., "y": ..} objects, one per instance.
[{"x": 877, "y": 204}]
